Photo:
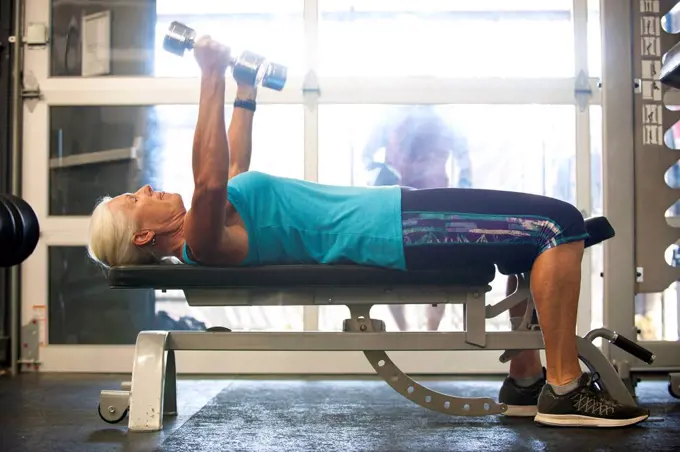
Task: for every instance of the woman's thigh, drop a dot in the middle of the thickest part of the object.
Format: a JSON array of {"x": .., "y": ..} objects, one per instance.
[{"x": 453, "y": 227}]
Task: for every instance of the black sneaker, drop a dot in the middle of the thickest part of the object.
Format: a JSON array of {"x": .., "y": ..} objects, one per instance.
[
  {"x": 586, "y": 406},
  {"x": 521, "y": 401}
]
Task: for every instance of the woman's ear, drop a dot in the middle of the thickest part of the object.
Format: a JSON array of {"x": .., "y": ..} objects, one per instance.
[{"x": 144, "y": 237}]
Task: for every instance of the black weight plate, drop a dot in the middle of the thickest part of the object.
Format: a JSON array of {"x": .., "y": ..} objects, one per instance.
[
  {"x": 8, "y": 233},
  {"x": 28, "y": 223},
  {"x": 26, "y": 231}
]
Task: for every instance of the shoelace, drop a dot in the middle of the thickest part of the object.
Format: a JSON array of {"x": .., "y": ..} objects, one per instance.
[{"x": 595, "y": 392}]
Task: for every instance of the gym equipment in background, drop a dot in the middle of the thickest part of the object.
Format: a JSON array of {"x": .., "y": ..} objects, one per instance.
[
  {"x": 19, "y": 230},
  {"x": 249, "y": 67}
]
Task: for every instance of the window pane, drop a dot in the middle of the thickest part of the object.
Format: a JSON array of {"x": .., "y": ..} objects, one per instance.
[
  {"x": 459, "y": 38},
  {"x": 107, "y": 150},
  {"x": 526, "y": 148},
  {"x": 594, "y": 39},
  {"x": 137, "y": 30},
  {"x": 83, "y": 310},
  {"x": 657, "y": 316}
]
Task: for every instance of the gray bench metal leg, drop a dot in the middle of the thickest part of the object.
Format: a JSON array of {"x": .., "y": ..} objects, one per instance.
[
  {"x": 148, "y": 382},
  {"x": 408, "y": 387},
  {"x": 170, "y": 390},
  {"x": 429, "y": 398},
  {"x": 475, "y": 319}
]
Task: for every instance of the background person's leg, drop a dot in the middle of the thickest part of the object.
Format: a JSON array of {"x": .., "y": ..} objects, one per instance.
[
  {"x": 526, "y": 378},
  {"x": 397, "y": 311},
  {"x": 526, "y": 365},
  {"x": 435, "y": 314}
]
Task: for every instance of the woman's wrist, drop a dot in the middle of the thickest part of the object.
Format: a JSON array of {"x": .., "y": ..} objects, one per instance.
[
  {"x": 245, "y": 92},
  {"x": 212, "y": 76}
]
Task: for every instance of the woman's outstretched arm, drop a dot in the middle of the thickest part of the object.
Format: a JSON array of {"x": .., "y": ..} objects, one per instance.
[
  {"x": 210, "y": 157},
  {"x": 204, "y": 227},
  {"x": 241, "y": 130}
]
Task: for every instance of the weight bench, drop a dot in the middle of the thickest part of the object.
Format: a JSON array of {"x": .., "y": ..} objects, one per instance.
[{"x": 151, "y": 394}]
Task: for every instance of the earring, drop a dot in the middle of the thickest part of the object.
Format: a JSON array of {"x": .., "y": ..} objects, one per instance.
[{"x": 153, "y": 241}]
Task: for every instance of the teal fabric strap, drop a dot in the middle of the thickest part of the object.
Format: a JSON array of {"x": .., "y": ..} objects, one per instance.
[{"x": 185, "y": 255}]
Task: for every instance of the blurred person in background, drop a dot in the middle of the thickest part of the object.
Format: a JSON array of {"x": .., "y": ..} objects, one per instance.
[{"x": 414, "y": 146}]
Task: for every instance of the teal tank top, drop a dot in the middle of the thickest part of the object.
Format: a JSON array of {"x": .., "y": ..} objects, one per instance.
[{"x": 292, "y": 221}]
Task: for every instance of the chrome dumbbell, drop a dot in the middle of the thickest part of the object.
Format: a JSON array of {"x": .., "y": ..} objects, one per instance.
[{"x": 249, "y": 67}]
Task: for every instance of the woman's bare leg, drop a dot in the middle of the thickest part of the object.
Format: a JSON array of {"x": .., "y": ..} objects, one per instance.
[
  {"x": 555, "y": 286},
  {"x": 569, "y": 398}
]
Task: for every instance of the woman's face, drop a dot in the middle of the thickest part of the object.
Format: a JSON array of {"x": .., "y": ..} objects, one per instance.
[{"x": 154, "y": 212}]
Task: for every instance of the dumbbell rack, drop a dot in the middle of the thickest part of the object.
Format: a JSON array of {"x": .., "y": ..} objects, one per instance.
[
  {"x": 670, "y": 69},
  {"x": 658, "y": 70}
]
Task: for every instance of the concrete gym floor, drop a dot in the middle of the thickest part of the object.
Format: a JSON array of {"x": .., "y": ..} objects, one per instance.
[{"x": 57, "y": 412}]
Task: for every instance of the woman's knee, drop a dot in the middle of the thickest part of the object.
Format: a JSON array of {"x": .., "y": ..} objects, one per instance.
[
  {"x": 569, "y": 212},
  {"x": 569, "y": 221}
]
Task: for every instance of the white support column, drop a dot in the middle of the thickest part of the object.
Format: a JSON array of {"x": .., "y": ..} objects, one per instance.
[
  {"x": 310, "y": 319},
  {"x": 583, "y": 151},
  {"x": 619, "y": 167}
]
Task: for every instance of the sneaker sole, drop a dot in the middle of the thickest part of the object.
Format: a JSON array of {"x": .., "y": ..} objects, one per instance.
[
  {"x": 574, "y": 420},
  {"x": 521, "y": 411}
]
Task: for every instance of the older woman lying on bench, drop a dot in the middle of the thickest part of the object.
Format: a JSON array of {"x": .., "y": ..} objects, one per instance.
[{"x": 246, "y": 218}]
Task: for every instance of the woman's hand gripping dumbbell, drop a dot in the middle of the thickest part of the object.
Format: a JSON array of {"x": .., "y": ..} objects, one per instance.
[
  {"x": 212, "y": 57},
  {"x": 248, "y": 69}
]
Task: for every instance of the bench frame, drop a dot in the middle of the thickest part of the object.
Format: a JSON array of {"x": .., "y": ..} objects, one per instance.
[{"x": 152, "y": 392}]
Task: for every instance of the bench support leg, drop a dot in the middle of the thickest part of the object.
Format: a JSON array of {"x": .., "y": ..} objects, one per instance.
[
  {"x": 149, "y": 382},
  {"x": 609, "y": 378},
  {"x": 475, "y": 319},
  {"x": 408, "y": 387},
  {"x": 170, "y": 389},
  {"x": 426, "y": 397}
]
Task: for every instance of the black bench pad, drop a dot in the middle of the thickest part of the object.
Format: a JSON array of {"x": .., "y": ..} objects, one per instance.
[{"x": 187, "y": 277}]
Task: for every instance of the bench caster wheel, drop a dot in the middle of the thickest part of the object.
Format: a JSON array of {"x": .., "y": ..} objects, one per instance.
[
  {"x": 111, "y": 415},
  {"x": 674, "y": 385},
  {"x": 113, "y": 406}
]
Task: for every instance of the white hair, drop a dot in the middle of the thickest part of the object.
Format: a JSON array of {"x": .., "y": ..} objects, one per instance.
[{"x": 110, "y": 241}]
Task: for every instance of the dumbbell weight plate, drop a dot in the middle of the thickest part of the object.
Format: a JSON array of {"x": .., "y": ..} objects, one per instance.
[
  {"x": 26, "y": 232},
  {"x": 276, "y": 76},
  {"x": 179, "y": 38}
]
